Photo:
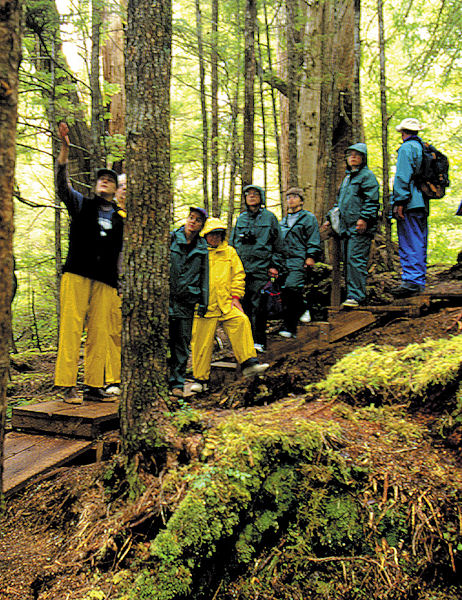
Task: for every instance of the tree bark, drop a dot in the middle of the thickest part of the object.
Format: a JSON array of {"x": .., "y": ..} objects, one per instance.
[
  {"x": 293, "y": 60},
  {"x": 97, "y": 130},
  {"x": 326, "y": 89},
  {"x": 146, "y": 237},
  {"x": 113, "y": 69},
  {"x": 205, "y": 129},
  {"x": 275, "y": 114},
  {"x": 10, "y": 38},
  {"x": 385, "y": 157},
  {"x": 214, "y": 140},
  {"x": 249, "y": 94}
]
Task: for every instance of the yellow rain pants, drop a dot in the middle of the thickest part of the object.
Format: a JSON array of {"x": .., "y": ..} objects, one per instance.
[
  {"x": 114, "y": 348},
  {"x": 236, "y": 326},
  {"x": 82, "y": 297}
]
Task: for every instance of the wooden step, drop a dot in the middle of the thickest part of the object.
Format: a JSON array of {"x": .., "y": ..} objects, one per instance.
[
  {"x": 87, "y": 420},
  {"x": 27, "y": 456}
]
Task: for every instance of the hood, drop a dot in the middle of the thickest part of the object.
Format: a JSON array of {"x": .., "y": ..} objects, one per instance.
[
  {"x": 360, "y": 147},
  {"x": 260, "y": 189},
  {"x": 211, "y": 224}
]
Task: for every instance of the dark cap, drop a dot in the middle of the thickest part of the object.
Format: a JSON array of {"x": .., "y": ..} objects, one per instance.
[
  {"x": 110, "y": 172},
  {"x": 296, "y": 191},
  {"x": 201, "y": 211}
]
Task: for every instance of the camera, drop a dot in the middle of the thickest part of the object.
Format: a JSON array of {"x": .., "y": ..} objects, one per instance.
[{"x": 248, "y": 237}]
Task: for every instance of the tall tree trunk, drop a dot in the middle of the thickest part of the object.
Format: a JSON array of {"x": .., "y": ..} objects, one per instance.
[
  {"x": 10, "y": 38},
  {"x": 214, "y": 141},
  {"x": 47, "y": 33},
  {"x": 54, "y": 146},
  {"x": 96, "y": 98},
  {"x": 263, "y": 116},
  {"x": 275, "y": 114},
  {"x": 205, "y": 130},
  {"x": 327, "y": 84},
  {"x": 385, "y": 157},
  {"x": 292, "y": 90},
  {"x": 357, "y": 124},
  {"x": 146, "y": 238},
  {"x": 249, "y": 96},
  {"x": 113, "y": 69}
]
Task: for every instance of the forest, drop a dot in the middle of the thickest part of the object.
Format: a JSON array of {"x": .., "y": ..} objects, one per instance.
[{"x": 336, "y": 475}]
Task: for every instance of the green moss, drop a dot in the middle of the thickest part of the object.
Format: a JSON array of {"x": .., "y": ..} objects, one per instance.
[{"x": 384, "y": 374}]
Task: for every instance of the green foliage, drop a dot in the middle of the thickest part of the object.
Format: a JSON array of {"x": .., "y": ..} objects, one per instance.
[{"x": 380, "y": 374}]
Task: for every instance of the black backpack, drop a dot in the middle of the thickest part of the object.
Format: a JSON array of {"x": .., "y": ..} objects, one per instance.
[{"x": 433, "y": 177}]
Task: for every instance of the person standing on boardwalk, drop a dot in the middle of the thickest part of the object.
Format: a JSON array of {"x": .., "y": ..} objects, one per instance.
[
  {"x": 226, "y": 288},
  {"x": 302, "y": 244},
  {"x": 89, "y": 278},
  {"x": 358, "y": 204},
  {"x": 258, "y": 242},
  {"x": 410, "y": 208},
  {"x": 189, "y": 276}
]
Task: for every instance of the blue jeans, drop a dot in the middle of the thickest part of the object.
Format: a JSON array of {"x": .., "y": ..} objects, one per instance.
[{"x": 412, "y": 239}]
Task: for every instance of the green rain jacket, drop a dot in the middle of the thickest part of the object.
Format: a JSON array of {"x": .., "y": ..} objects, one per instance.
[
  {"x": 301, "y": 241},
  {"x": 358, "y": 197},
  {"x": 189, "y": 275},
  {"x": 258, "y": 240}
]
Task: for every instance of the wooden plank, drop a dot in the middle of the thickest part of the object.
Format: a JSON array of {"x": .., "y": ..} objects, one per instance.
[
  {"x": 222, "y": 364},
  {"x": 27, "y": 456},
  {"x": 344, "y": 325},
  {"x": 86, "y": 420}
]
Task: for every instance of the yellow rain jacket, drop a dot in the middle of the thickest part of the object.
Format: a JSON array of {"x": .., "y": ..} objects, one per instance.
[{"x": 226, "y": 274}]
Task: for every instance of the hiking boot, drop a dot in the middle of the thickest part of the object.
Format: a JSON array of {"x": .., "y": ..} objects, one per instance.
[
  {"x": 405, "y": 290},
  {"x": 350, "y": 303},
  {"x": 177, "y": 392},
  {"x": 198, "y": 386},
  {"x": 259, "y": 347},
  {"x": 70, "y": 395},
  {"x": 254, "y": 369},
  {"x": 113, "y": 389},
  {"x": 95, "y": 394},
  {"x": 306, "y": 317}
]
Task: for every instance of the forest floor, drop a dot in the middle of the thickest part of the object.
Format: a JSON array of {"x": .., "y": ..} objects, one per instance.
[{"x": 52, "y": 531}]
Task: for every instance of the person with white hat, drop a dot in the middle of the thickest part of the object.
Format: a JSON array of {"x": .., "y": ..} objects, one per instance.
[{"x": 410, "y": 208}]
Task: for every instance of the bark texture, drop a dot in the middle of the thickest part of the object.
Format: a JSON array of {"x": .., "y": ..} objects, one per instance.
[
  {"x": 10, "y": 56},
  {"x": 114, "y": 69},
  {"x": 326, "y": 87},
  {"x": 249, "y": 93},
  {"x": 146, "y": 236}
]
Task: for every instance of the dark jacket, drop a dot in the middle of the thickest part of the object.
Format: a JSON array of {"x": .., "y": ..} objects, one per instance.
[
  {"x": 301, "y": 240},
  {"x": 189, "y": 275},
  {"x": 358, "y": 197},
  {"x": 258, "y": 242},
  {"x": 90, "y": 253}
]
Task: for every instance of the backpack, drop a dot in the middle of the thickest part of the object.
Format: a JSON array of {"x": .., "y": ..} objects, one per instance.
[
  {"x": 433, "y": 178},
  {"x": 272, "y": 298}
]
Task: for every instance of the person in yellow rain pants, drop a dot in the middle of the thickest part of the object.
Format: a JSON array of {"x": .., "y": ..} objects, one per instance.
[{"x": 226, "y": 288}]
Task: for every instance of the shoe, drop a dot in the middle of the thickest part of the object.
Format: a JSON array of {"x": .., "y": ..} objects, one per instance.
[
  {"x": 197, "y": 387},
  {"x": 177, "y": 392},
  {"x": 113, "y": 389},
  {"x": 306, "y": 317},
  {"x": 70, "y": 395},
  {"x": 95, "y": 394},
  {"x": 286, "y": 334},
  {"x": 259, "y": 347},
  {"x": 255, "y": 369},
  {"x": 405, "y": 290},
  {"x": 350, "y": 303}
]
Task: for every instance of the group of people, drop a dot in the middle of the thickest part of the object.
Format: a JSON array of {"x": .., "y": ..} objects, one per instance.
[{"x": 213, "y": 281}]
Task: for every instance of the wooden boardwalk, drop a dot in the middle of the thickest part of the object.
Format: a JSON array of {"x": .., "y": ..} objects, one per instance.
[{"x": 49, "y": 434}]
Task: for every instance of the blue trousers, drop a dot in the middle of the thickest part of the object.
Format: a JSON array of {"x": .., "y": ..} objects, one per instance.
[{"x": 412, "y": 239}]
